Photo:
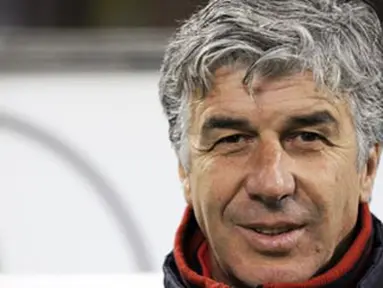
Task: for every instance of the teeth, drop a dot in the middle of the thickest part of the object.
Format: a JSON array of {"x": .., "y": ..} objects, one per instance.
[{"x": 275, "y": 231}]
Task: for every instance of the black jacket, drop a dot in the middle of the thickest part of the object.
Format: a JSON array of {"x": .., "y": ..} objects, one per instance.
[{"x": 373, "y": 277}]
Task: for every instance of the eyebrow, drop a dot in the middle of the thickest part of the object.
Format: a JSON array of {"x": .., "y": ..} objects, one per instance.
[
  {"x": 314, "y": 119},
  {"x": 317, "y": 118},
  {"x": 227, "y": 122}
]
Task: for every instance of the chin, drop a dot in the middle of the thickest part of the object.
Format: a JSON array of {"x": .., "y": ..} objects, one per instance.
[{"x": 288, "y": 273}]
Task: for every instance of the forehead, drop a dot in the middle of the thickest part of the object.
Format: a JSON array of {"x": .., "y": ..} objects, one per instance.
[{"x": 271, "y": 98}]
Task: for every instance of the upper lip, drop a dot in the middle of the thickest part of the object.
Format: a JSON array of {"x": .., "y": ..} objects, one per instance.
[{"x": 273, "y": 225}]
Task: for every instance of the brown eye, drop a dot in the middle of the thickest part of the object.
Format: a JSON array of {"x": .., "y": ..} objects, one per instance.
[
  {"x": 232, "y": 143},
  {"x": 307, "y": 141},
  {"x": 305, "y": 137},
  {"x": 232, "y": 139},
  {"x": 309, "y": 136}
]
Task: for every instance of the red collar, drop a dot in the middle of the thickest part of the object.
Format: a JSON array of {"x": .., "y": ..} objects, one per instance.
[{"x": 198, "y": 245}]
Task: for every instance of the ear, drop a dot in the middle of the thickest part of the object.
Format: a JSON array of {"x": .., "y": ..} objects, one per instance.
[
  {"x": 184, "y": 178},
  {"x": 369, "y": 172}
]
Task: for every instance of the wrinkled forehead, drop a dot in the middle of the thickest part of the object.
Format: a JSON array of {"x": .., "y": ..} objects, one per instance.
[{"x": 228, "y": 88}]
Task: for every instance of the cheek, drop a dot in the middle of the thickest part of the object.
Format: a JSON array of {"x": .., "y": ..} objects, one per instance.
[
  {"x": 214, "y": 183},
  {"x": 330, "y": 183},
  {"x": 316, "y": 181},
  {"x": 329, "y": 177},
  {"x": 213, "y": 177},
  {"x": 347, "y": 185}
]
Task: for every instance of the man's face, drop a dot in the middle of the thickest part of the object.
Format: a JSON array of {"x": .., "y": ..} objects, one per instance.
[{"x": 273, "y": 179}]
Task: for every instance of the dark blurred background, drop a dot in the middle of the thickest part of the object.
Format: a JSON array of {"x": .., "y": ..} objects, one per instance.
[
  {"x": 95, "y": 13},
  {"x": 87, "y": 34}
]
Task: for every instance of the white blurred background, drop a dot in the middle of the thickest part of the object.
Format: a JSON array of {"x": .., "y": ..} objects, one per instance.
[{"x": 88, "y": 179}]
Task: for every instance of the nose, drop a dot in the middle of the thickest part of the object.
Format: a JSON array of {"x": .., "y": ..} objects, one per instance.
[{"x": 269, "y": 179}]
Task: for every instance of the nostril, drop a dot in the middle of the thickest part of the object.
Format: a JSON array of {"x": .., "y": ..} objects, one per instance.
[{"x": 271, "y": 202}]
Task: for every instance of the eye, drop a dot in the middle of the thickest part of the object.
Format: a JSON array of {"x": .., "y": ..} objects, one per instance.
[
  {"x": 232, "y": 143},
  {"x": 304, "y": 140},
  {"x": 309, "y": 136},
  {"x": 232, "y": 139}
]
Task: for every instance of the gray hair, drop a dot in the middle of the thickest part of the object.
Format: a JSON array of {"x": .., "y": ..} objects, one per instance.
[{"x": 341, "y": 42}]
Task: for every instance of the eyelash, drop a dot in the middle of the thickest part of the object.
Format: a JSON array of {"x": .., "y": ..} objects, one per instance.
[
  {"x": 306, "y": 133},
  {"x": 232, "y": 137},
  {"x": 236, "y": 138}
]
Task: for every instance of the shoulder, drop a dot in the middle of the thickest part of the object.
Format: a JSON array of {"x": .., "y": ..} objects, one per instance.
[
  {"x": 172, "y": 277},
  {"x": 374, "y": 275}
]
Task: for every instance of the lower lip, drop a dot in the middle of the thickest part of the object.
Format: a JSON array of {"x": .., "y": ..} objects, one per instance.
[{"x": 281, "y": 243}]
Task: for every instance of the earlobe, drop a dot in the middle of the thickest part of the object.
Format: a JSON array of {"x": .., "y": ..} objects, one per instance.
[
  {"x": 369, "y": 173},
  {"x": 185, "y": 183}
]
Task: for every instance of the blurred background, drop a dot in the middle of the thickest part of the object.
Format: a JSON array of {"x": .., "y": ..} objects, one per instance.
[{"x": 88, "y": 179}]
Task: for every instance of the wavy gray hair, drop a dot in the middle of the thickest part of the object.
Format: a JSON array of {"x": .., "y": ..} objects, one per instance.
[{"x": 341, "y": 42}]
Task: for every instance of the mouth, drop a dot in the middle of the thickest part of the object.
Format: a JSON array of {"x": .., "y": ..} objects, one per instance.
[
  {"x": 272, "y": 239},
  {"x": 272, "y": 231}
]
